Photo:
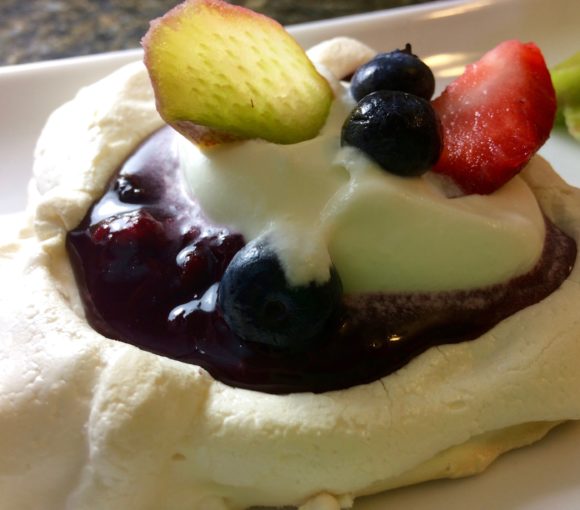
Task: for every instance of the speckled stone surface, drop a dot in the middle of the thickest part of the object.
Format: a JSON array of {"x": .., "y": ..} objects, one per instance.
[{"x": 33, "y": 30}]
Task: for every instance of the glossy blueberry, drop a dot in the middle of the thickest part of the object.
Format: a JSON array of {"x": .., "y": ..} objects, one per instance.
[
  {"x": 259, "y": 305},
  {"x": 401, "y": 132},
  {"x": 397, "y": 70}
]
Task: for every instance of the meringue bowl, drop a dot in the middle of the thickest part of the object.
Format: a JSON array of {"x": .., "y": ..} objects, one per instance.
[{"x": 519, "y": 480}]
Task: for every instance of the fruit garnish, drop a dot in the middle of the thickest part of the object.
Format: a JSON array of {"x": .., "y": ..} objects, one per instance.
[
  {"x": 395, "y": 70},
  {"x": 260, "y": 306},
  {"x": 400, "y": 131},
  {"x": 495, "y": 117},
  {"x": 234, "y": 71},
  {"x": 566, "y": 78}
]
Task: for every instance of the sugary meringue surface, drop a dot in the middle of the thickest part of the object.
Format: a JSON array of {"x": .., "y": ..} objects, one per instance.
[{"x": 91, "y": 423}]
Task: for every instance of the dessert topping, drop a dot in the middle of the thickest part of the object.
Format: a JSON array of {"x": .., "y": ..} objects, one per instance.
[
  {"x": 260, "y": 305},
  {"x": 400, "y": 131},
  {"x": 152, "y": 275},
  {"x": 234, "y": 71},
  {"x": 495, "y": 117},
  {"x": 396, "y": 70}
]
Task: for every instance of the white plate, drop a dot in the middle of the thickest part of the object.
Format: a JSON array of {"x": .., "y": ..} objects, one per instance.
[{"x": 448, "y": 35}]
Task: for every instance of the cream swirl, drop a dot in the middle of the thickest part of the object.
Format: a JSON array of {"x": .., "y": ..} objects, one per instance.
[{"x": 318, "y": 202}]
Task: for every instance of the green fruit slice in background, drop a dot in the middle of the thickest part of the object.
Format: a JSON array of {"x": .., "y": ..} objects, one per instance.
[{"x": 566, "y": 79}]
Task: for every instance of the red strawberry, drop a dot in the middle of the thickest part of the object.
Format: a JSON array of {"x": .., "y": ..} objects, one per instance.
[{"x": 495, "y": 117}]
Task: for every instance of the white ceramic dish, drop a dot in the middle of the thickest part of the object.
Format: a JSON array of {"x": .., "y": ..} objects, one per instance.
[{"x": 448, "y": 34}]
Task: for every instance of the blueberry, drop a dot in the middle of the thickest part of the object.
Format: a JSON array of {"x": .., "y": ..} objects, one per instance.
[
  {"x": 259, "y": 304},
  {"x": 401, "y": 132},
  {"x": 397, "y": 70}
]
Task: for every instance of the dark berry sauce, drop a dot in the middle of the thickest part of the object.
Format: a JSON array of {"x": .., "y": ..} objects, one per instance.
[{"x": 148, "y": 264}]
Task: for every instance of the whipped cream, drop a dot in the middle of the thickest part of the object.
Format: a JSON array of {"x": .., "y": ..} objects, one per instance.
[
  {"x": 89, "y": 423},
  {"x": 319, "y": 203}
]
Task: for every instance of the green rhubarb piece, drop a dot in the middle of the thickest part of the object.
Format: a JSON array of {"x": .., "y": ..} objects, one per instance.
[{"x": 234, "y": 71}]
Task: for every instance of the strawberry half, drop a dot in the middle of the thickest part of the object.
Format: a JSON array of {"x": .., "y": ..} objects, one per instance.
[
  {"x": 235, "y": 72},
  {"x": 495, "y": 117}
]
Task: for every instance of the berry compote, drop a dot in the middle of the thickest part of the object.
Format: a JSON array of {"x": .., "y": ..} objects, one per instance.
[{"x": 148, "y": 264}]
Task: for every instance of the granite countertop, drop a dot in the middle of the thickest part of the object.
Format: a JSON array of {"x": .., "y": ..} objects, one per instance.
[{"x": 33, "y": 30}]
